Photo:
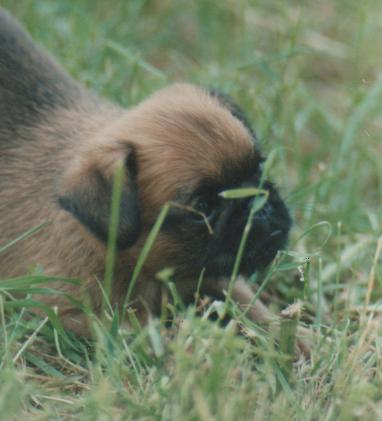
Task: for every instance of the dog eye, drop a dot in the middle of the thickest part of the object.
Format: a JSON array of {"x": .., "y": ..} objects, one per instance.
[{"x": 205, "y": 205}]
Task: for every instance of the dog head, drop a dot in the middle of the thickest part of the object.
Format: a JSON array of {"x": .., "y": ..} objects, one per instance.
[{"x": 183, "y": 145}]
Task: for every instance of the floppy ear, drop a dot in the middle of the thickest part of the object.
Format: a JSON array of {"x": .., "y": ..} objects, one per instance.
[
  {"x": 234, "y": 108},
  {"x": 87, "y": 193}
]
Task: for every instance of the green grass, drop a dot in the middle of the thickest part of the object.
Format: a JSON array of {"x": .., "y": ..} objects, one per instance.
[{"x": 308, "y": 74}]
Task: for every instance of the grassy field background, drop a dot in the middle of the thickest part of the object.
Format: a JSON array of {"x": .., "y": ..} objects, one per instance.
[{"x": 309, "y": 76}]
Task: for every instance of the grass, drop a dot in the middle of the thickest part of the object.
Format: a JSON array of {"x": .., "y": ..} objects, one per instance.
[{"x": 308, "y": 74}]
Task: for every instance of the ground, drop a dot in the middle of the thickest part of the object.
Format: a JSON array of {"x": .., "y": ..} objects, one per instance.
[{"x": 308, "y": 75}]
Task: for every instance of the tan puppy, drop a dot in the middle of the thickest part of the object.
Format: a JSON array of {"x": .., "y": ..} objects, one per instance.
[{"x": 59, "y": 150}]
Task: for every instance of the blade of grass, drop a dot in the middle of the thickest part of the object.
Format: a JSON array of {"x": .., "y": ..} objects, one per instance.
[
  {"x": 33, "y": 304},
  {"x": 23, "y": 236},
  {"x": 46, "y": 368},
  {"x": 146, "y": 250},
  {"x": 113, "y": 231},
  {"x": 30, "y": 340},
  {"x": 4, "y": 329},
  {"x": 26, "y": 282},
  {"x": 314, "y": 227},
  {"x": 135, "y": 58},
  {"x": 355, "y": 121},
  {"x": 258, "y": 203},
  {"x": 371, "y": 278},
  {"x": 320, "y": 296},
  {"x": 241, "y": 193}
]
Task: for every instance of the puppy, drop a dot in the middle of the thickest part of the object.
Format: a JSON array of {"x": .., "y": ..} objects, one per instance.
[{"x": 60, "y": 147}]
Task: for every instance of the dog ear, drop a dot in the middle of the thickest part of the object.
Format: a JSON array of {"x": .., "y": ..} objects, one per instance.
[
  {"x": 234, "y": 108},
  {"x": 87, "y": 191}
]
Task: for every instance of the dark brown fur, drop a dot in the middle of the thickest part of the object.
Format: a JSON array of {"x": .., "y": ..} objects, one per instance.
[{"x": 59, "y": 150}]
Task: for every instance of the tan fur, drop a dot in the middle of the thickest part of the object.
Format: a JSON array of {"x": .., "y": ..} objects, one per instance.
[{"x": 180, "y": 121}]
